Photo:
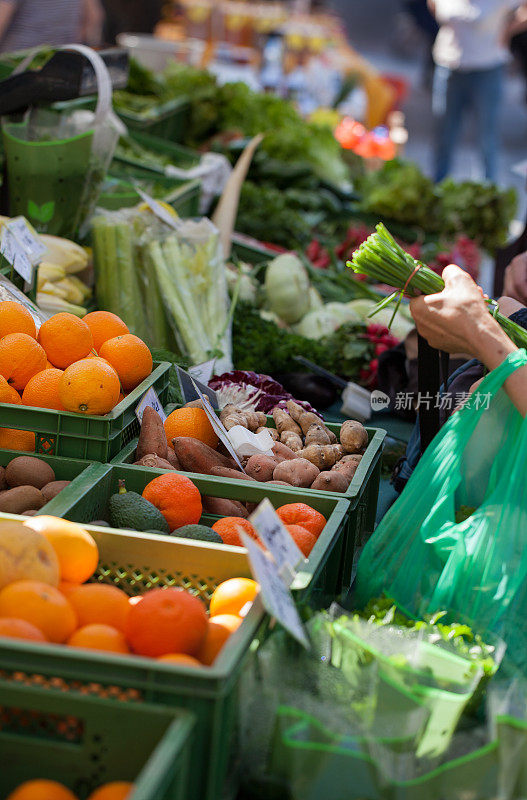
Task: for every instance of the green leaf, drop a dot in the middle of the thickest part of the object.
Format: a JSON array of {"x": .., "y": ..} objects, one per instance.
[{"x": 43, "y": 213}]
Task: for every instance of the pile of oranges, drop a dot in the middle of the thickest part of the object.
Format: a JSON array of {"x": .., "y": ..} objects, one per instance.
[
  {"x": 43, "y": 789},
  {"x": 44, "y": 597},
  {"x": 84, "y": 366}
]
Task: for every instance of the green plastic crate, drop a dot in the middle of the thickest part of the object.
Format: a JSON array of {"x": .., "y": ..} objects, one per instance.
[
  {"x": 86, "y": 742},
  {"x": 251, "y": 250},
  {"x": 183, "y": 196},
  {"x": 8, "y": 271},
  {"x": 88, "y": 438},
  {"x": 318, "y": 579},
  {"x": 137, "y": 562},
  {"x": 183, "y": 157},
  {"x": 168, "y": 120}
]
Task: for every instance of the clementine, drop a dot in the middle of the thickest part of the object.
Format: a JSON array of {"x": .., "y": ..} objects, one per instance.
[
  {"x": 232, "y": 595},
  {"x": 12, "y": 439},
  {"x": 42, "y": 789},
  {"x": 181, "y": 659},
  {"x": 103, "y": 326},
  {"x": 75, "y": 548},
  {"x": 21, "y": 357},
  {"x": 41, "y": 605},
  {"x": 228, "y": 529},
  {"x": 176, "y": 497},
  {"x": 99, "y": 637},
  {"x": 130, "y": 358},
  {"x": 15, "y": 318},
  {"x": 42, "y": 390},
  {"x": 191, "y": 422},
  {"x": 8, "y": 394},
  {"x": 166, "y": 621},
  {"x": 302, "y": 514},
  {"x": 305, "y": 541},
  {"x": 15, "y": 628},
  {"x": 89, "y": 387},
  {"x": 219, "y": 630},
  {"x": 65, "y": 338},
  {"x": 99, "y": 603},
  {"x": 117, "y": 790}
]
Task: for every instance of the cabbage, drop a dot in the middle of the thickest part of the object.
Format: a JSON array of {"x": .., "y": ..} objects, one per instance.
[
  {"x": 401, "y": 325},
  {"x": 287, "y": 288},
  {"x": 325, "y": 320},
  {"x": 315, "y": 300}
]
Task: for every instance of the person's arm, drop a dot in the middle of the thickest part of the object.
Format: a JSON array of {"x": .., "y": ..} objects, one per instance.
[
  {"x": 432, "y": 6},
  {"x": 457, "y": 320},
  {"x": 515, "y": 284},
  {"x": 92, "y": 20},
  {"x": 7, "y": 9}
]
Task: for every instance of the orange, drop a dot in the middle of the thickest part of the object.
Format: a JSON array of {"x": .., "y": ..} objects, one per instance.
[
  {"x": 49, "y": 365},
  {"x": 8, "y": 394},
  {"x": 117, "y": 790},
  {"x": 232, "y": 595},
  {"x": 41, "y": 605},
  {"x": 66, "y": 587},
  {"x": 192, "y": 422},
  {"x": 166, "y": 621},
  {"x": 75, "y": 548},
  {"x": 227, "y": 528},
  {"x": 130, "y": 358},
  {"x": 304, "y": 540},
  {"x": 15, "y": 318},
  {"x": 219, "y": 630},
  {"x": 99, "y": 637},
  {"x": 89, "y": 387},
  {"x": 42, "y": 789},
  {"x": 12, "y": 439},
  {"x": 21, "y": 357},
  {"x": 15, "y": 628},
  {"x": 302, "y": 514},
  {"x": 99, "y": 603},
  {"x": 181, "y": 659},
  {"x": 103, "y": 326},
  {"x": 177, "y": 498},
  {"x": 65, "y": 338},
  {"x": 42, "y": 390}
]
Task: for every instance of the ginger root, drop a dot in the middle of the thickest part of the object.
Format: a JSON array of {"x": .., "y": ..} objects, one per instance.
[
  {"x": 284, "y": 422},
  {"x": 322, "y": 456},
  {"x": 231, "y": 416},
  {"x": 307, "y": 418},
  {"x": 317, "y": 434},
  {"x": 292, "y": 440}
]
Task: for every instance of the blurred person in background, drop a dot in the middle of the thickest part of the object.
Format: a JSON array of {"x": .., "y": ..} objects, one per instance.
[
  {"x": 30, "y": 23},
  {"x": 470, "y": 54},
  {"x": 130, "y": 16}
]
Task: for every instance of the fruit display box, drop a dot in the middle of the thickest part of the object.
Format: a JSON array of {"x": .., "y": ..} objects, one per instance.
[
  {"x": 84, "y": 437},
  {"x": 137, "y": 562},
  {"x": 84, "y": 742},
  {"x": 318, "y": 579}
]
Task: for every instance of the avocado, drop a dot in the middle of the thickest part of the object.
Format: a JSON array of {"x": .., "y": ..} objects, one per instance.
[
  {"x": 199, "y": 532},
  {"x": 130, "y": 510}
]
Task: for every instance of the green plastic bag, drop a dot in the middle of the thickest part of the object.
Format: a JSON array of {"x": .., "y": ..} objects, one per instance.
[{"x": 476, "y": 569}]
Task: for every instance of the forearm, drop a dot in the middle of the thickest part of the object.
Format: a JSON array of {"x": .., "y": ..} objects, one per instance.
[
  {"x": 7, "y": 9},
  {"x": 491, "y": 347}
]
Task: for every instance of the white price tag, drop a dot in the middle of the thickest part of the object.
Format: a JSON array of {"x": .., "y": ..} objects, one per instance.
[
  {"x": 15, "y": 255},
  {"x": 157, "y": 209},
  {"x": 275, "y": 594},
  {"x": 203, "y": 372},
  {"x": 276, "y": 537},
  {"x": 28, "y": 238},
  {"x": 217, "y": 425},
  {"x": 151, "y": 399}
]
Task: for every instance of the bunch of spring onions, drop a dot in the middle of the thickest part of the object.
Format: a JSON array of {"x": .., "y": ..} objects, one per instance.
[{"x": 381, "y": 258}]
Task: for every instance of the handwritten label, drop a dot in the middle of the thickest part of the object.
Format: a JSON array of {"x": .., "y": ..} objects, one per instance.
[
  {"x": 157, "y": 209},
  {"x": 276, "y": 597},
  {"x": 203, "y": 372},
  {"x": 186, "y": 384},
  {"x": 276, "y": 538},
  {"x": 218, "y": 426},
  {"x": 151, "y": 399},
  {"x": 28, "y": 238},
  {"x": 14, "y": 254}
]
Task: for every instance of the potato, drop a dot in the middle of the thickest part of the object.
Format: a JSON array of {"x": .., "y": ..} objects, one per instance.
[
  {"x": 353, "y": 436},
  {"x": 52, "y": 489},
  {"x": 28, "y": 471},
  {"x": 3, "y": 482},
  {"x": 261, "y": 468},
  {"x": 331, "y": 481},
  {"x": 297, "y": 472},
  {"x": 222, "y": 507},
  {"x": 19, "y": 499},
  {"x": 283, "y": 453},
  {"x": 346, "y": 468}
]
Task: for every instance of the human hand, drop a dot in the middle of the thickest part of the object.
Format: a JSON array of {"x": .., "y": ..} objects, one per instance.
[
  {"x": 516, "y": 279},
  {"x": 92, "y": 22},
  {"x": 453, "y": 319}
]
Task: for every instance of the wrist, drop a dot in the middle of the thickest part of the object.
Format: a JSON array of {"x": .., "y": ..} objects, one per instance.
[{"x": 490, "y": 344}]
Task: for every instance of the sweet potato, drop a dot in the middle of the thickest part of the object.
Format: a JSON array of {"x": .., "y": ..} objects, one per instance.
[
  {"x": 152, "y": 438},
  {"x": 19, "y": 499},
  {"x": 298, "y": 472},
  {"x": 283, "y": 453},
  {"x": 151, "y": 460},
  {"x": 279, "y": 483},
  {"x": 226, "y": 472},
  {"x": 194, "y": 404},
  {"x": 330, "y": 481},
  {"x": 3, "y": 482},
  {"x": 322, "y": 456},
  {"x": 346, "y": 468},
  {"x": 28, "y": 471},
  {"x": 272, "y": 432},
  {"x": 172, "y": 459},
  {"x": 353, "y": 436},
  {"x": 284, "y": 422},
  {"x": 195, "y": 456},
  {"x": 317, "y": 434},
  {"x": 292, "y": 440},
  {"x": 222, "y": 507},
  {"x": 261, "y": 468},
  {"x": 52, "y": 489}
]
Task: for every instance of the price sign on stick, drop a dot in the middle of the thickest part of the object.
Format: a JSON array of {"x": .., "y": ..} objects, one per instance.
[
  {"x": 218, "y": 426},
  {"x": 276, "y": 538},
  {"x": 203, "y": 372},
  {"x": 15, "y": 254},
  {"x": 28, "y": 238},
  {"x": 276, "y": 596},
  {"x": 151, "y": 399},
  {"x": 186, "y": 384},
  {"x": 157, "y": 209}
]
